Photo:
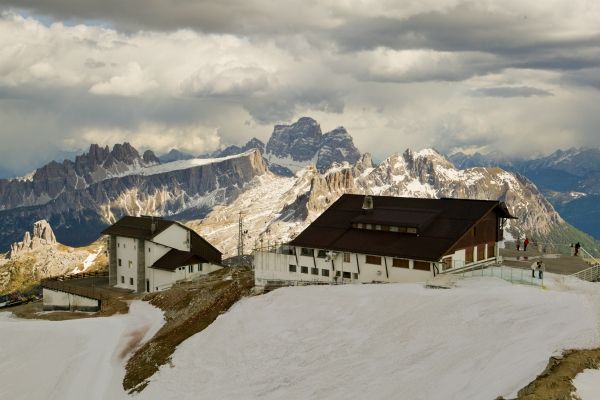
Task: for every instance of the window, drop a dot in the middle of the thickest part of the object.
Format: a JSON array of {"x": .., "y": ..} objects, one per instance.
[
  {"x": 199, "y": 267},
  {"x": 376, "y": 260},
  {"x": 149, "y": 249},
  {"x": 124, "y": 246},
  {"x": 480, "y": 252},
  {"x": 469, "y": 255},
  {"x": 292, "y": 268},
  {"x": 314, "y": 271},
  {"x": 346, "y": 275},
  {"x": 129, "y": 263},
  {"x": 337, "y": 273},
  {"x": 354, "y": 275},
  {"x": 118, "y": 244},
  {"x": 368, "y": 226},
  {"x": 422, "y": 265},
  {"x": 446, "y": 263},
  {"x": 321, "y": 254},
  {"x": 411, "y": 230},
  {"x": 377, "y": 227},
  {"x": 131, "y": 281},
  {"x": 385, "y": 228},
  {"x": 400, "y": 263},
  {"x": 120, "y": 263},
  {"x": 346, "y": 257},
  {"x": 325, "y": 272},
  {"x": 304, "y": 270},
  {"x": 190, "y": 269},
  {"x": 491, "y": 249},
  {"x": 122, "y": 279},
  {"x": 394, "y": 228},
  {"x": 307, "y": 252}
]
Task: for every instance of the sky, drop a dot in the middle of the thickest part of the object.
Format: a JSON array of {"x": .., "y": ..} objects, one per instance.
[{"x": 517, "y": 76}]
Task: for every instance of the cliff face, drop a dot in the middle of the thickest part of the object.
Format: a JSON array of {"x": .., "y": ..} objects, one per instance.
[{"x": 181, "y": 189}]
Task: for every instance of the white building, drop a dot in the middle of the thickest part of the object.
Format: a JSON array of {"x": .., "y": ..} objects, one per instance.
[
  {"x": 148, "y": 254},
  {"x": 363, "y": 239}
]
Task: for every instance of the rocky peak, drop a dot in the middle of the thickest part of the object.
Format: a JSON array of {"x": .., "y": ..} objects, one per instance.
[
  {"x": 43, "y": 235},
  {"x": 150, "y": 158},
  {"x": 293, "y": 147}
]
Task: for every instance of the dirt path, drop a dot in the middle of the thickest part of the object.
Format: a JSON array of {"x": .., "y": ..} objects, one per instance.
[{"x": 189, "y": 308}]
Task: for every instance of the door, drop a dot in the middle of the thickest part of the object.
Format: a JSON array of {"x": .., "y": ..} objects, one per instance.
[{"x": 147, "y": 285}]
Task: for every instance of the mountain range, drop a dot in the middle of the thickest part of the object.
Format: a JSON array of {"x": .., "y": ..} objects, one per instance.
[
  {"x": 569, "y": 179},
  {"x": 280, "y": 186}
]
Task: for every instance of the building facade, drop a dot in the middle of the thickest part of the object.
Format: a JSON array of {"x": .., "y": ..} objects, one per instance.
[
  {"x": 364, "y": 239},
  {"x": 149, "y": 254}
]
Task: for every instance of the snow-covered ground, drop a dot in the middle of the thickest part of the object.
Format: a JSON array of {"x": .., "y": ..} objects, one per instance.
[
  {"x": 587, "y": 384},
  {"x": 483, "y": 339},
  {"x": 76, "y": 359}
]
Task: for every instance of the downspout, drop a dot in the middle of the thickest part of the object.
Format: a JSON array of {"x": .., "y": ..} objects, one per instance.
[
  {"x": 387, "y": 275},
  {"x": 357, "y": 263}
]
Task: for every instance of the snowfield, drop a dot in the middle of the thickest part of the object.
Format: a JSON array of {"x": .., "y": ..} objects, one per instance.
[
  {"x": 587, "y": 384},
  {"x": 76, "y": 359},
  {"x": 484, "y": 339}
]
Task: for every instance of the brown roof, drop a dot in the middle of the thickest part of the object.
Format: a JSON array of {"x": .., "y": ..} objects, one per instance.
[
  {"x": 440, "y": 224},
  {"x": 141, "y": 228},
  {"x": 177, "y": 258},
  {"x": 138, "y": 227}
]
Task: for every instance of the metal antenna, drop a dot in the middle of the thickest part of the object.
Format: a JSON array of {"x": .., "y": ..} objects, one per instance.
[{"x": 240, "y": 248}]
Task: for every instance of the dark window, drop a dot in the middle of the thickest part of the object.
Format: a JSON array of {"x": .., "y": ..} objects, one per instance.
[
  {"x": 304, "y": 270},
  {"x": 120, "y": 262},
  {"x": 400, "y": 263},
  {"x": 122, "y": 279},
  {"x": 118, "y": 244},
  {"x": 314, "y": 271},
  {"x": 385, "y": 228},
  {"x": 376, "y": 260},
  {"x": 149, "y": 249},
  {"x": 491, "y": 249},
  {"x": 199, "y": 267},
  {"x": 422, "y": 265},
  {"x": 354, "y": 275},
  {"x": 292, "y": 268},
  {"x": 321, "y": 254},
  {"x": 325, "y": 272},
  {"x": 480, "y": 252},
  {"x": 346, "y": 257},
  {"x": 306, "y": 252},
  {"x": 469, "y": 255},
  {"x": 337, "y": 273},
  {"x": 131, "y": 281},
  {"x": 346, "y": 275},
  {"x": 190, "y": 268}
]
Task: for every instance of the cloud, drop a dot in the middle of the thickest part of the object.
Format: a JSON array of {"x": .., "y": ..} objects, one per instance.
[
  {"x": 133, "y": 82},
  {"x": 510, "y": 91}
]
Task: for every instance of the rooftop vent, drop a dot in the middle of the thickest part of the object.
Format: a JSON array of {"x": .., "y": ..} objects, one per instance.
[{"x": 367, "y": 203}]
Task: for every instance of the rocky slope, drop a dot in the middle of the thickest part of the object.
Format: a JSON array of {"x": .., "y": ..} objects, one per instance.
[
  {"x": 292, "y": 147},
  {"x": 179, "y": 189},
  {"x": 39, "y": 255},
  {"x": 277, "y": 208},
  {"x": 50, "y": 181},
  {"x": 569, "y": 179}
]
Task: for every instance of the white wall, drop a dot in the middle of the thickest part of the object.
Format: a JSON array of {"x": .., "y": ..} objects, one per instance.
[
  {"x": 127, "y": 252},
  {"x": 55, "y": 300},
  {"x": 161, "y": 279},
  {"x": 459, "y": 256},
  {"x": 275, "y": 266},
  {"x": 175, "y": 237}
]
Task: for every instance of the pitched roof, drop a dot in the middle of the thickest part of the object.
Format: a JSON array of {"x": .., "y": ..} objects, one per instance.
[
  {"x": 141, "y": 228},
  {"x": 138, "y": 227},
  {"x": 177, "y": 258},
  {"x": 440, "y": 223}
]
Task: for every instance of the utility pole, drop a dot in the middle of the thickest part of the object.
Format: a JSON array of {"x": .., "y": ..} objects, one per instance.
[{"x": 240, "y": 247}]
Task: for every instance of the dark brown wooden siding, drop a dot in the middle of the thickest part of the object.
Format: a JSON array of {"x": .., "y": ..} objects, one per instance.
[{"x": 485, "y": 231}]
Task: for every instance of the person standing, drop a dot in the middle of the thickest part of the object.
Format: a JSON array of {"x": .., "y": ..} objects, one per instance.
[
  {"x": 577, "y": 246},
  {"x": 541, "y": 267},
  {"x": 525, "y": 243},
  {"x": 533, "y": 268}
]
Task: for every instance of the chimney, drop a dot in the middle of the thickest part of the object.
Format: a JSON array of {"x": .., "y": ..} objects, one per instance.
[
  {"x": 152, "y": 225},
  {"x": 367, "y": 203}
]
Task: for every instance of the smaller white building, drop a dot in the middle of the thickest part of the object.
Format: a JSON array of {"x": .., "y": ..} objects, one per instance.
[
  {"x": 364, "y": 239},
  {"x": 149, "y": 254}
]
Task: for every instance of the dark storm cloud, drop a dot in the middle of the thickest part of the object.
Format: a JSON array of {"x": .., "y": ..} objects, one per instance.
[{"x": 516, "y": 91}]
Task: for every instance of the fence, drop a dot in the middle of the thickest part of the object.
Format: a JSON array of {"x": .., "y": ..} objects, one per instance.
[
  {"x": 60, "y": 283},
  {"x": 510, "y": 274}
]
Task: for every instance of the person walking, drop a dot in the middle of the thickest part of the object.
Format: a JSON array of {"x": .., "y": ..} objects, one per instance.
[
  {"x": 541, "y": 267},
  {"x": 577, "y": 246},
  {"x": 525, "y": 243},
  {"x": 518, "y": 244}
]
